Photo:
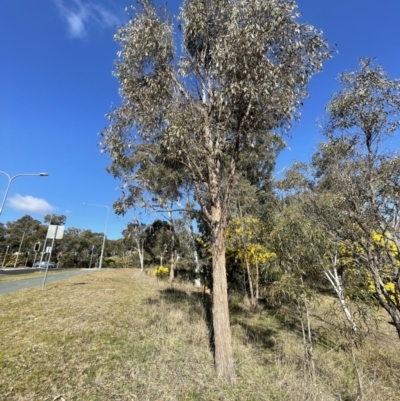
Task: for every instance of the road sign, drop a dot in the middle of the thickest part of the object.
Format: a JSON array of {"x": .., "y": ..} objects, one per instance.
[{"x": 55, "y": 232}]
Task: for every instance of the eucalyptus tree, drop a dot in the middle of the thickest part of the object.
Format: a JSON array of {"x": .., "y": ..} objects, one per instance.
[
  {"x": 190, "y": 214},
  {"x": 20, "y": 235},
  {"x": 158, "y": 240},
  {"x": 55, "y": 219},
  {"x": 158, "y": 190},
  {"x": 360, "y": 178},
  {"x": 3, "y": 234},
  {"x": 134, "y": 234},
  {"x": 255, "y": 173},
  {"x": 318, "y": 206},
  {"x": 77, "y": 243},
  {"x": 242, "y": 72},
  {"x": 296, "y": 246},
  {"x": 27, "y": 227}
]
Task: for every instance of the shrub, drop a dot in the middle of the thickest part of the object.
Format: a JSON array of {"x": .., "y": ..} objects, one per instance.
[{"x": 161, "y": 272}]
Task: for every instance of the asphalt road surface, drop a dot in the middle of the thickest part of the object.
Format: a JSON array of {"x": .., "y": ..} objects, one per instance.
[{"x": 17, "y": 285}]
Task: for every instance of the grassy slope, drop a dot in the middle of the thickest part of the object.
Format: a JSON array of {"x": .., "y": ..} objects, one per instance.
[{"x": 119, "y": 335}]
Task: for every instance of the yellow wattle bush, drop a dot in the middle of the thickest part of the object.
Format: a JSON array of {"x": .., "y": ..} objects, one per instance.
[
  {"x": 161, "y": 272},
  {"x": 389, "y": 287}
]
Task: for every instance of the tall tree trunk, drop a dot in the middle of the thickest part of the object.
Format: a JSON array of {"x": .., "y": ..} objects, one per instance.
[
  {"x": 221, "y": 327},
  {"x": 252, "y": 300},
  {"x": 140, "y": 249},
  {"x": 141, "y": 255},
  {"x": 257, "y": 279},
  {"x": 172, "y": 248},
  {"x": 197, "y": 282},
  {"x": 246, "y": 258},
  {"x": 172, "y": 269},
  {"x": 302, "y": 306},
  {"x": 309, "y": 337}
]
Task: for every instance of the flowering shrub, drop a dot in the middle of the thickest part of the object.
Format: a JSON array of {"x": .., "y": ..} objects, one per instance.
[
  {"x": 161, "y": 272},
  {"x": 246, "y": 235},
  {"x": 389, "y": 287}
]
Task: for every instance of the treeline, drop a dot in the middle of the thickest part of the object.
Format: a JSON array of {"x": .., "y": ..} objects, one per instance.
[
  {"x": 140, "y": 245},
  {"x": 27, "y": 236}
]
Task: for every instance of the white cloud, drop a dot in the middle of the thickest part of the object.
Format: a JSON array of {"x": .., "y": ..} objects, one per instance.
[
  {"x": 107, "y": 18},
  {"x": 30, "y": 204},
  {"x": 78, "y": 14},
  {"x": 76, "y": 25}
]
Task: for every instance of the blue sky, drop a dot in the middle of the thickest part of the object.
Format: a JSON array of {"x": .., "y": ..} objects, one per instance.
[{"x": 56, "y": 85}]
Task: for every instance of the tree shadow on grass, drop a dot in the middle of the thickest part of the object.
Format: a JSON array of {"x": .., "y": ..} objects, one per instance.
[
  {"x": 290, "y": 320},
  {"x": 258, "y": 335},
  {"x": 255, "y": 332},
  {"x": 200, "y": 305}
]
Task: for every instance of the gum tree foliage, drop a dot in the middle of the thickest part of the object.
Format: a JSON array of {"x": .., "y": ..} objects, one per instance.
[
  {"x": 295, "y": 245},
  {"x": 76, "y": 245},
  {"x": 254, "y": 178},
  {"x": 55, "y": 219},
  {"x": 134, "y": 238},
  {"x": 357, "y": 182},
  {"x": 27, "y": 227},
  {"x": 158, "y": 242},
  {"x": 3, "y": 232},
  {"x": 334, "y": 260},
  {"x": 242, "y": 72}
]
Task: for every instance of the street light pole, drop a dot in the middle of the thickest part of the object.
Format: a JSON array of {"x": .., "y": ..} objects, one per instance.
[
  {"x": 105, "y": 229},
  {"x": 10, "y": 179}
]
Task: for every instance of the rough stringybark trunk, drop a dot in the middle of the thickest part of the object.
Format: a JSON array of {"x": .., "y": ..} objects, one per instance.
[{"x": 221, "y": 327}]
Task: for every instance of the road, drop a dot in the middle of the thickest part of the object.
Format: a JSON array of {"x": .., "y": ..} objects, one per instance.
[{"x": 17, "y": 285}]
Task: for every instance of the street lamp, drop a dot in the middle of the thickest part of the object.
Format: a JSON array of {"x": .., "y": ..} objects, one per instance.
[
  {"x": 10, "y": 180},
  {"x": 105, "y": 229}
]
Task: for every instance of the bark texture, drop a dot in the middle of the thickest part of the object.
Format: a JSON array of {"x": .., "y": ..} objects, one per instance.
[{"x": 221, "y": 327}]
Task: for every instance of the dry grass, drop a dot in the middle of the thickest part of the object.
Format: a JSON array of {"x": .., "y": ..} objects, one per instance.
[{"x": 114, "y": 335}]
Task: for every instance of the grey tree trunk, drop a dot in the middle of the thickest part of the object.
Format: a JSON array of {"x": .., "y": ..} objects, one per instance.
[
  {"x": 222, "y": 331},
  {"x": 334, "y": 278}
]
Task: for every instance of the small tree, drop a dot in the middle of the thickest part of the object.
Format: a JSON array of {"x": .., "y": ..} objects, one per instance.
[
  {"x": 362, "y": 179},
  {"x": 244, "y": 242},
  {"x": 135, "y": 233},
  {"x": 335, "y": 259},
  {"x": 297, "y": 245},
  {"x": 242, "y": 72}
]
